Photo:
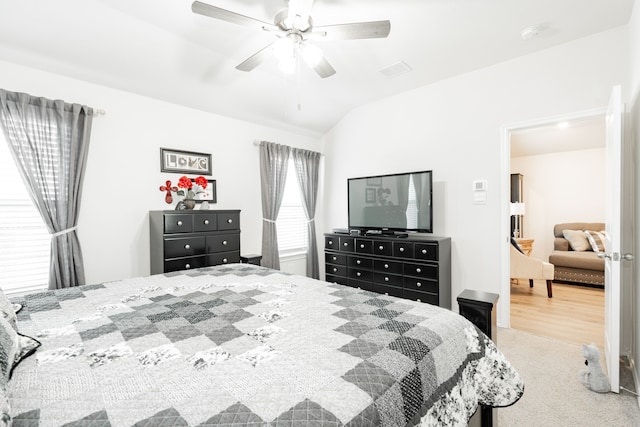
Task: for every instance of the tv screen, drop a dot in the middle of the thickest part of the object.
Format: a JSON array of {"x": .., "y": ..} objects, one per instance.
[{"x": 397, "y": 202}]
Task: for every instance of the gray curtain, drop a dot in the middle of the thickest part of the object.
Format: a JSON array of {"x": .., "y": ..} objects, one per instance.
[
  {"x": 307, "y": 169},
  {"x": 49, "y": 141},
  {"x": 274, "y": 160}
]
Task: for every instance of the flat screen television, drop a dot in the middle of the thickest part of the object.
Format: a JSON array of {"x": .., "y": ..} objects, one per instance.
[{"x": 391, "y": 203}]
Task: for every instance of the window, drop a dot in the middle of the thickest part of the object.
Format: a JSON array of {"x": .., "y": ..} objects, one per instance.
[
  {"x": 412, "y": 206},
  {"x": 292, "y": 221},
  {"x": 24, "y": 239}
]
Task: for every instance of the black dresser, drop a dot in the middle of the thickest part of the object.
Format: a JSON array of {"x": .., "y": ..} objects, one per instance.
[
  {"x": 417, "y": 267},
  {"x": 181, "y": 240}
]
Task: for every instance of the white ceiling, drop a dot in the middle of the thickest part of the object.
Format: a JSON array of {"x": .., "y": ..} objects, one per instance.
[
  {"x": 578, "y": 134},
  {"x": 160, "y": 49}
]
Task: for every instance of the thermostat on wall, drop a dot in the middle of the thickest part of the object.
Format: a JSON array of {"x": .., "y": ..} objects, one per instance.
[{"x": 480, "y": 192}]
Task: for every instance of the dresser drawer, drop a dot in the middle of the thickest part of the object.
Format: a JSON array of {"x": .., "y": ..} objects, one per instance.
[
  {"x": 364, "y": 246},
  {"x": 205, "y": 222},
  {"x": 223, "y": 258},
  {"x": 388, "y": 290},
  {"x": 421, "y": 285},
  {"x": 387, "y": 266},
  {"x": 361, "y": 284},
  {"x": 360, "y": 262},
  {"x": 426, "y": 271},
  {"x": 382, "y": 247},
  {"x": 228, "y": 221},
  {"x": 422, "y": 297},
  {"x": 360, "y": 274},
  {"x": 332, "y": 242},
  {"x": 337, "y": 279},
  {"x": 339, "y": 259},
  {"x": 183, "y": 246},
  {"x": 184, "y": 263},
  {"x": 426, "y": 251},
  {"x": 178, "y": 223},
  {"x": 223, "y": 243},
  {"x": 387, "y": 279},
  {"x": 403, "y": 249},
  {"x": 336, "y": 270},
  {"x": 347, "y": 244}
]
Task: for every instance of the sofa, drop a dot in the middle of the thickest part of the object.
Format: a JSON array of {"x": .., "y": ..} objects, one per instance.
[{"x": 576, "y": 261}]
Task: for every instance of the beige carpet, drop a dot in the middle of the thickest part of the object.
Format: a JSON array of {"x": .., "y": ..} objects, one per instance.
[{"x": 553, "y": 395}]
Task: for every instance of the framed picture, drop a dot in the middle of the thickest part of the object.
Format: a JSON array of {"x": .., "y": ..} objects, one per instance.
[
  {"x": 179, "y": 161},
  {"x": 376, "y": 180},
  {"x": 370, "y": 195},
  {"x": 209, "y": 194}
]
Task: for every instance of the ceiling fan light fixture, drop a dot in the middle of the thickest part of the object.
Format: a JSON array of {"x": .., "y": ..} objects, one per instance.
[
  {"x": 311, "y": 54},
  {"x": 288, "y": 65},
  {"x": 284, "y": 48}
]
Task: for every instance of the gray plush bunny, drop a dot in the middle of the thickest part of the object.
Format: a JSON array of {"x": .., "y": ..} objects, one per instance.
[{"x": 593, "y": 377}]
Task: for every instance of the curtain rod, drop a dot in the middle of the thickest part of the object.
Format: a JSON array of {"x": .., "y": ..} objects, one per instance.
[{"x": 257, "y": 144}]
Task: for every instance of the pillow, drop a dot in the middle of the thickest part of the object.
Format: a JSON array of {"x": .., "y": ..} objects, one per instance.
[
  {"x": 14, "y": 347},
  {"x": 596, "y": 240},
  {"x": 577, "y": 240},
  {"x": 7, "y": 310}
]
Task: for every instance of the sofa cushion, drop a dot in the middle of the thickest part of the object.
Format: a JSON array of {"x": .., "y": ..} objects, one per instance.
[
  {"x": 582, "y": 260},
  {"x": 577, "y": 240},
  {"x": 596, "y": 240}
]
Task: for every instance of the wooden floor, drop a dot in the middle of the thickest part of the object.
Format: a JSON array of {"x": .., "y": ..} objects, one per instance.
[{"x": 574, "y": 314}]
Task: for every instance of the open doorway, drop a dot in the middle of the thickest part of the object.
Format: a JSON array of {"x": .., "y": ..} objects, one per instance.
[{"x": 561, "y": 168}]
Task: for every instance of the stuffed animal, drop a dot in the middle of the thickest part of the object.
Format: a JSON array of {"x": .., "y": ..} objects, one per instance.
[{"x": 593, "y": 377}]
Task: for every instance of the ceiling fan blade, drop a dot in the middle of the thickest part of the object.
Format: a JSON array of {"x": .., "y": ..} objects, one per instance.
[
  {"x": 324, "y": 69},
  {"x": 355, "y": 30},
  {"x": 256, "y": 59},
  {"x": 228, "y": 16}
]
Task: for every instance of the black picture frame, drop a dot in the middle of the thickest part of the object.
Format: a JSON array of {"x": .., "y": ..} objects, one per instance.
[{"x": 180, "y": 161}]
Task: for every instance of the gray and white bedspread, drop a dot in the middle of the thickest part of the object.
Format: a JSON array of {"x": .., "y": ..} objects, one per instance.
[{"x": 244, "y": 345}]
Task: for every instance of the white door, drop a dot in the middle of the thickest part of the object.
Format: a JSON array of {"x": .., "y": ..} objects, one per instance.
[{"x": 613, "y": 221}]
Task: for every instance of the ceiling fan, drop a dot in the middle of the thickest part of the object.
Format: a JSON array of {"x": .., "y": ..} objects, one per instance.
[{"x": 294, "y": 28}]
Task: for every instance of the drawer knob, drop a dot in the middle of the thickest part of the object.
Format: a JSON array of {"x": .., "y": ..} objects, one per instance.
[
  {"x": 179, "y": 223},
  {"x": 206, "y": 222},
  {"x": 335, "y": 258},
  {"x": 187, "y": 246},
  {"x": 358, "y": 262},
  {"x": 381, "y": 247},
  {"x": 187, "y": 266},
  {"x": 331, "y": 242},
  {"x": 386, "y": 279},
  {"x": 335, "y": 270},
  {"x": 401, "y": 249},
  {"x": 224, "y": 260},
  {"x": 229, "y": 221},
  {"x": 419, "y": 300},
  {"x": 418, "y": 270},
  {"x": 358, "y": 274},
  {"x": 345, "y": 244},
  {"x": 386, "y": 266},
  {"x": 224, "y": 242},
  {"x": 362, "y": 245},
  {"x": 386, "y": 293},
  {"x": 424, "y": 251},
  {"x": 419, "y": 284}
]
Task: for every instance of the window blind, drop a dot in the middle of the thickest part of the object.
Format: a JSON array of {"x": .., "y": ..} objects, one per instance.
[
  {"x": 292, "y": 221},
  {"x": 24, "y": 239}
]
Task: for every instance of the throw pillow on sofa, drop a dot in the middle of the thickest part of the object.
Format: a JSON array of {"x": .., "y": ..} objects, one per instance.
[
  {"x": 577, "y": 240},
  {"x": 596, "y": 240}
]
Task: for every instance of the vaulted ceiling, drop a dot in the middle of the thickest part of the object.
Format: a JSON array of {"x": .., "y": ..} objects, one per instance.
[{"x": 161, "y": 49}]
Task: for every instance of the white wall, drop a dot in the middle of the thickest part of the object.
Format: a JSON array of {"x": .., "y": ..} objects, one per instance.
[
  {"x": 560, "y": 187},
  {"x": 123, "y": 168},
  {"x": 453, "y": 127}
]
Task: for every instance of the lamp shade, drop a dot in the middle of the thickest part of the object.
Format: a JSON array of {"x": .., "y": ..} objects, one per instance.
[{"x": 517, "y": 208}]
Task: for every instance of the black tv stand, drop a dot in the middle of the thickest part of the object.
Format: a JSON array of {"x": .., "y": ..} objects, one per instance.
[{"x": 388, "y": 233}]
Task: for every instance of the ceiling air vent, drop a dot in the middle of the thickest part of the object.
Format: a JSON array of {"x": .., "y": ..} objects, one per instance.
[{"x": 396, "y": 69}]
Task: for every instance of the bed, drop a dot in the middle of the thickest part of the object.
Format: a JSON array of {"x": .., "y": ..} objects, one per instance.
[{"x": 241, "y": 345}]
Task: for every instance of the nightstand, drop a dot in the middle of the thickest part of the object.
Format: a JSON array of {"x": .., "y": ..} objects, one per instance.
[{"x": 251, "y": 259}]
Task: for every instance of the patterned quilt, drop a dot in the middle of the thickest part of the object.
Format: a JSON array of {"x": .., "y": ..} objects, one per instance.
[{"x": 244, "y": 345}]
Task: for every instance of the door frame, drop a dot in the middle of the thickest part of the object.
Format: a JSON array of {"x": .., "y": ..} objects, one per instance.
[{"x": 504, "y": 303}]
